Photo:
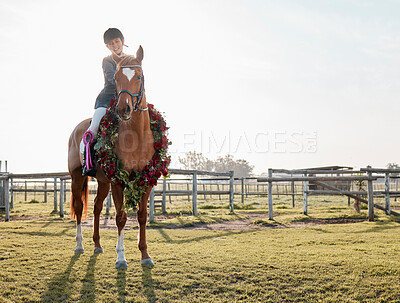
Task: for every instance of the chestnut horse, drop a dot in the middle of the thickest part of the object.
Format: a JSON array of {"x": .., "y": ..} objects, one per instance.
[{"x": 134, "y": 147}]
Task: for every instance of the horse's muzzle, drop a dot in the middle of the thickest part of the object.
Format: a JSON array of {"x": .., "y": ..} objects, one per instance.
[{"x": 127, "y": 113}]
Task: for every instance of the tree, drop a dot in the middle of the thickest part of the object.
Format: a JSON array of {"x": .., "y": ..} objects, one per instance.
[
  {"x": 392, "y": 165},
  {"x": 197, "y": 161},
  {"x": 193, "y": 160}
]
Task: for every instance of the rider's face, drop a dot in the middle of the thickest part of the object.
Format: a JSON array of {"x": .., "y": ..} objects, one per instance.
[{"x": 115, "y": 46}]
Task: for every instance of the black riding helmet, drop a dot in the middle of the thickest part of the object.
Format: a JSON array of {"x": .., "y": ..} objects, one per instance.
[{"x": 111, "y": 34}]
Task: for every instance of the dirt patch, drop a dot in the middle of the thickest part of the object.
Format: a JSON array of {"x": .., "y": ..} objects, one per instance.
[
  {"x": 23, "y": 218},
  {"x": 312, "y": 222},
  {"x": 254, "y": 221}
]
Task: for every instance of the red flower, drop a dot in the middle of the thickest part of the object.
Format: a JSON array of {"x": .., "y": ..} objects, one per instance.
[
  {"x": 112, "y": 102},
  {"x": 110, "y": 172},
  {"x": 141, "y": 183},
  {"x": 153, "y": 181},
  {"x": 157, "y": 145},
  {"x": 158, "y": 174}
]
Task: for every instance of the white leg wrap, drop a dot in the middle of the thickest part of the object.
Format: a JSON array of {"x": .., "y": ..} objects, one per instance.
[
  {"x": 79, "y": 239},
  {"x": 121, "y": 248}
]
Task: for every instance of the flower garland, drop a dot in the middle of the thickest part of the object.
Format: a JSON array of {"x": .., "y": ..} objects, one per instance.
[{"x": 135, "y": 183}]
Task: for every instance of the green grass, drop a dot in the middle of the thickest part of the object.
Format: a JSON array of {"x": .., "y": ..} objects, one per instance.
[{"x": 357, "y": 262}]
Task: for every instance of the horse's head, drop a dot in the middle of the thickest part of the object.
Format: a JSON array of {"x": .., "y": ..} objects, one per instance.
[{"x": 130, "y": 84}]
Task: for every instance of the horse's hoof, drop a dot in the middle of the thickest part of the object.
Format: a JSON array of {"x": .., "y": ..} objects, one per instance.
[
  {"x": 121, "y": 264},
  {"x": 148, "y": 262},
  {"x": 79, "y": 250},
  {"x": 98, "y": 250}
]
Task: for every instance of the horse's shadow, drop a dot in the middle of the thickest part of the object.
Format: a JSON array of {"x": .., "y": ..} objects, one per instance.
[
  {"x": 88, "y": 289},
  {"x": 121, "y": 284},
  {"x": 147, "y": 281},
  {"x": 60, "y": 286}
]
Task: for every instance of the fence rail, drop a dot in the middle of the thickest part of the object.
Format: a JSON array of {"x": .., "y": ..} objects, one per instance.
[
  {"x": 59, "y": 180},
  {"x": 294, "y": 183},
  {"x": 364, "y": 174}
]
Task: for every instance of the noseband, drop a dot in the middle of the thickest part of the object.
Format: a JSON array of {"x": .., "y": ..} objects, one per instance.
[{"x": 139, "y": 95}]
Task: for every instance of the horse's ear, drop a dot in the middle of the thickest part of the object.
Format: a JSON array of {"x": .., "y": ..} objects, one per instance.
[
  {"x": 115, "y": 57},
  {"x": 139, "y": 54}
]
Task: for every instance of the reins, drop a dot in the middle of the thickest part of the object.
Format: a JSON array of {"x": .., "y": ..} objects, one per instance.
[{"x": 139, "y": 95}]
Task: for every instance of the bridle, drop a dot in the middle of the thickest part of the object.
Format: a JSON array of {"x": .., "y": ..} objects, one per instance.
[{"x": 139, "y": 95}]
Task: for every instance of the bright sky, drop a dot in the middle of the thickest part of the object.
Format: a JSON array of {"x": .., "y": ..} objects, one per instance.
[{"x": 282, "y": 84}]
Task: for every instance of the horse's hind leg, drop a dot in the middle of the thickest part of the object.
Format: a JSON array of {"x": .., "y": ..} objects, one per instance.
[
  {"x": 102, "y": 192},
  {"x": 142, "y": 219},
  {"x": 77, "y": 186}
]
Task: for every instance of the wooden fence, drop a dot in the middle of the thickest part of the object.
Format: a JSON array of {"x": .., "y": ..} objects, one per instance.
[
  {"x": 59, "y": 189},
  {"x": 368, "y": 174},
  {"x": 292, "y": 182}
]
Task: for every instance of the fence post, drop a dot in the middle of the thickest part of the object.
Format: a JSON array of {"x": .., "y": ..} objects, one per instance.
[
  {"x": 65, "y": 190},
  {"x": 231, "y": 191},
  {"x": 151, "y": 205},
  {"x": 194, "y": 195},
  {"x": 108, "y": 204},
  {"x": 12, "y": 193},
  {"x": 164, "y": 196},
  {"x": 26, "y": 191},
  {"x": 292, "y": 188},
  {"x": 55, "y": 194},
  {"x": 61, "y": 198},
  {"x": 45, "y": 193},
  {"x": 7, "y": 197},
  {"x": 187, "y": 188},
  {"x": 387, "y": 194},
  {"x": 169, "y": 189},
  {"x": 305, "y": 196},
  {"x": 218, "y": 190},
  {"x": 242, "y": 179},
  {"x": 370, "y": 197},
  {"x": 270, "y": 211}
]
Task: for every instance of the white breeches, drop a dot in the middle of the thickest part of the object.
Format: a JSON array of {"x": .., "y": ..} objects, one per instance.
[{"x": 94, "y": 125}]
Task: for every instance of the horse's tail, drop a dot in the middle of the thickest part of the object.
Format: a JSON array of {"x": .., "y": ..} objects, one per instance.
[{"x": 85, "y": 200}]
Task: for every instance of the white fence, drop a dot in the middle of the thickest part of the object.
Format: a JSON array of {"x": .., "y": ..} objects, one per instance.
[
  {"x": 56, "y": 183},
  {"x": 314, "y": 176}
]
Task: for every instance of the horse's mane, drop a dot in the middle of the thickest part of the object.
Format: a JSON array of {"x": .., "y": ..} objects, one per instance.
[{"x": 128, "y": 60}]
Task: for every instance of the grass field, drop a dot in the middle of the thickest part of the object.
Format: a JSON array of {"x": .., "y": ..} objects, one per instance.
[{"x": 357, "y": 262}]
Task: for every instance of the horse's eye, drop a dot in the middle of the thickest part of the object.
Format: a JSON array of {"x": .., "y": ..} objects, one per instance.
[{"x": 139, "y": 77}]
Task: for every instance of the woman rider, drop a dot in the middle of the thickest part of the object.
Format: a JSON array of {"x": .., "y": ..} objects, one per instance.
[{"x": 114, "y": 41}]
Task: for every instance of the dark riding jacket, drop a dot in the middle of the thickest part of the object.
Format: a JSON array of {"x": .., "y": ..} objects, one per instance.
[{"x": 110, "y": 89}]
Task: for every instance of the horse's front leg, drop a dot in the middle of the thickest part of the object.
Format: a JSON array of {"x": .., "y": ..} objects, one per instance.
[
  {"x": 142, "y": 219},
  {"x": 121, "y": 216}
]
